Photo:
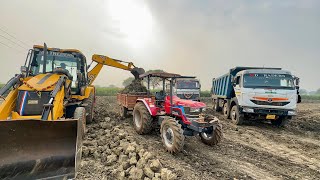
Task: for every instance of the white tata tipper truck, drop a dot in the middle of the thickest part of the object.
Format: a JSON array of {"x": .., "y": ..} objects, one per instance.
[
  {"x": 247, "y": 93},
  {"x": 187, "y": 88}
]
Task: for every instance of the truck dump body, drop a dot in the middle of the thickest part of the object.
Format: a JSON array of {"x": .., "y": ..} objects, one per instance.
[{"x": 222, "y": 86}]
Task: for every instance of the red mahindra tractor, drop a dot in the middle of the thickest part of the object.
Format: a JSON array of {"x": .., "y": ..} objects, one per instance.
[{"x": 177, "y": 117}]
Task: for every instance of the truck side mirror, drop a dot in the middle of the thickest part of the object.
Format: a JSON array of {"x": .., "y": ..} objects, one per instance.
[
  {"x": 233, "y": 81},
  {"x": 296, "y": 81}
]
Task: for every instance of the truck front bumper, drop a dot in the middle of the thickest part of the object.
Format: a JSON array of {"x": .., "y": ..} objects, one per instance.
[{"x": 266, "y": 111}]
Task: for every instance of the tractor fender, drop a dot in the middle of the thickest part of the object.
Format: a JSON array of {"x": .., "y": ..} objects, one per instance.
[{"x": 150, "y": 105}]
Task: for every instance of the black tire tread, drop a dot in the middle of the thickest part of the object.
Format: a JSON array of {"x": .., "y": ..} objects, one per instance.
[
  {"x": 178, "y": 134},
  {"x": 217, "y": 136},
  {"x": 146, "y": 126}
]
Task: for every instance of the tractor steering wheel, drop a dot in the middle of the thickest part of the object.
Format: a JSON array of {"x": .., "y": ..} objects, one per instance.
[{"x": 63, "y": 71}]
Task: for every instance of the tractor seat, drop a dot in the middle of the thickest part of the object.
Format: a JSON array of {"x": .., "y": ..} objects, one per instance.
[{"x": 160, "y": 96}]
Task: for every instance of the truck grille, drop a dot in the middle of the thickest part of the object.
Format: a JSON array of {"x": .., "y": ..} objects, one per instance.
[
  {"x": 30, "y": 103},
  {"x": 267, "y": 103},
  {"x": 187, "y": 96}
]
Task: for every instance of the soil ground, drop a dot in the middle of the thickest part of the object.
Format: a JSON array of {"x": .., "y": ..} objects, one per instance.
[{"x": 255, "y": 150}]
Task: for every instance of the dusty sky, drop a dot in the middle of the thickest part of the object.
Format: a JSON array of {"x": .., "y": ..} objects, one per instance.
[{"x": 203, "y": 38}]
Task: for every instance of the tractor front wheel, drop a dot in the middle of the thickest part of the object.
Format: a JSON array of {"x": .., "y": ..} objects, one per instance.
[
  {"x": 214, "y": 137},
  {"x": 142, "y": 119},
  {"x": 172, "y": 135}
]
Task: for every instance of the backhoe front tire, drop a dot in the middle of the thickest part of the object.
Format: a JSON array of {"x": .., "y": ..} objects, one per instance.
[
  {"x": 172, "y": 136},
  {"x": 142, "y": 119},
  {"x": 214, "y": 137},
  {"x": 89, "y": 108},
  {"x": 80, "y": 113}
]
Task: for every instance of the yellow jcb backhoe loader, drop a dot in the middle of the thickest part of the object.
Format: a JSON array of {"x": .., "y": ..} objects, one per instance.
[{"x": 44, "y": 112}]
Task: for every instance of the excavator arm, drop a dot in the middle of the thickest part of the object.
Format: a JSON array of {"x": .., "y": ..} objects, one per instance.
[{"x": 105, "y": 60}]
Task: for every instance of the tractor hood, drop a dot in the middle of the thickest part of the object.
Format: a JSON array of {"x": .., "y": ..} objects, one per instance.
[
  {"x": 186, "y": 103},
  {"x": 41, "y": 82}
]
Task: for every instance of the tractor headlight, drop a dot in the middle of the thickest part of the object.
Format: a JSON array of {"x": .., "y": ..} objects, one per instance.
[
  {"x": 194, "y": 109},
  {"x": 204, "y": 109}
]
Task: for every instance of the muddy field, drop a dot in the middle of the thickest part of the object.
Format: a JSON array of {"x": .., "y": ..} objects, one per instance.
[{"x": 256, "y": 150}]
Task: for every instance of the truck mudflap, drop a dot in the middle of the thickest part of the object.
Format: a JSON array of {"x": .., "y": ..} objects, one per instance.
[{"x": 37, "y": 149}]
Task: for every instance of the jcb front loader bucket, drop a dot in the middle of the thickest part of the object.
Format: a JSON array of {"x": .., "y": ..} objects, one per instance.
[{"x": 36, "y": 149}]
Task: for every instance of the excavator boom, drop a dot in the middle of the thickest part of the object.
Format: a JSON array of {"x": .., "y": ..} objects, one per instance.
[{"x": 105, "y": 60}]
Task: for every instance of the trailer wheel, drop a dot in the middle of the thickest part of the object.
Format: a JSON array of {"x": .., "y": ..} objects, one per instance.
[
  {"x": 214, "y": 137},
  {"x": 142, "y": 119},
  {"x": 216, "y": 105},
  {"x": 172, "y": 135},
  {"x": 280, "y": 122},
  {"x": 226, "y": 110},
  {"x": 89, "y": 108},
  {"x": 80, "y": 113},
  {"x": 236, "y": 117},
  {"x": 123, "y": 111}
]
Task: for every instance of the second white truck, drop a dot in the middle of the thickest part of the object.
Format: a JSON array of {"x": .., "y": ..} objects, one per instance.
[{"x": 246, "y": 93}]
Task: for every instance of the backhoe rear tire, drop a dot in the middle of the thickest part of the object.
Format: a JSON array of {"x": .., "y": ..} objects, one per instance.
[
  {"x": 142, "y": 119},
  {"x": 89, "y": 108},
  {"x": 213, "y": 138},
  {"x": 172, "y": 136},
  {"x": 80, "y": 113}
]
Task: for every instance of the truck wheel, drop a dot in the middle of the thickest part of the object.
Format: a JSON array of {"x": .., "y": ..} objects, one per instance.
[
  {"x": 142, "y": 119},
  {"x": 216, "y": 106},
  {"x": 172, "y": 135},
  {"x": 89, "y": 108},
  {"x": 280, "y": 122},
  {"x": 236, "y": 117},
  {"x": 80, "y": 113},
  {"x": 226, "y": 110},
  {"x": 123, "y": 111},
  {"x": 214, "y": 137}
]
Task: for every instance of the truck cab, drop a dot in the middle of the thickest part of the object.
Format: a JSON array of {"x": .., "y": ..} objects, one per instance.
[
  {"x": 257, "y": 93},
  {"x": 187, "y": 88}
]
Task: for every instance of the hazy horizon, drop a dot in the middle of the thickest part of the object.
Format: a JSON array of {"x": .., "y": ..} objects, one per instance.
[{"x": 202, "y": 38}]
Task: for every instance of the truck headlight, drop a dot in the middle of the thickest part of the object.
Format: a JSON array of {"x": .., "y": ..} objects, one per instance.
[
  {"x": 292, "y": 113},
  {"x": 248, "y": 110},
  {"x": 194, "y": 109}
]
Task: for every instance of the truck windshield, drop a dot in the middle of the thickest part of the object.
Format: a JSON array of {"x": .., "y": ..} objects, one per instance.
[
  {"x": 187, "y": 85},
  {"x": 264, "y": 80}
]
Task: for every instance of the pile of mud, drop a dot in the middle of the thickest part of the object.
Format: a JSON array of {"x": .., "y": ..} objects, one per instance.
[
  {"x": 110, "y": 152},
  {"x": 135, "y": 86}
]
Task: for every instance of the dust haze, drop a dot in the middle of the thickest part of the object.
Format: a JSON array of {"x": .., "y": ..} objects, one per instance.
[{"x": 202, "y": 38}]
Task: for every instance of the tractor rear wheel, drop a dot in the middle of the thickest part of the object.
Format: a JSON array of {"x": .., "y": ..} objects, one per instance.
[
  {"x": 214, "y": 137},
  {"x": 172, "y": 135},
  {"x": 80, "y": 113},
  {"x": 89, "y": 107},
  {"x": 142, "y": 119},
  {"x": 236, "y": 117}
]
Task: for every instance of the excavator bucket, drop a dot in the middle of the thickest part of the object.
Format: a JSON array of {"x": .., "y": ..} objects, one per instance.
[
  {"x": 137, "y": 71},
  {"x": 37, "y": 149}
]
